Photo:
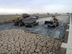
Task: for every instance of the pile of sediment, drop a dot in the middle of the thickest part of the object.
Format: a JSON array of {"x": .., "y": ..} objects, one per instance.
[{"x": 22, "y": 42}]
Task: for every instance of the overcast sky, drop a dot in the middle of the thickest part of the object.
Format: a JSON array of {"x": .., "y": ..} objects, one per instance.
[{"x": 35, "y": 6}]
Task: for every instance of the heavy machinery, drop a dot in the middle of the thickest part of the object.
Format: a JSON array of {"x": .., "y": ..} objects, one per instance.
[
  {"x": 30, "y": 21},
  {"x": 25, "y": 20},
  {"x": 17, "y": 20},
  {"x": 52, "y": 23}
]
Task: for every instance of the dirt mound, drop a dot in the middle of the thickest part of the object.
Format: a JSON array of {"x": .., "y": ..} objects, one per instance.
[{"x": 23, "y": 42}]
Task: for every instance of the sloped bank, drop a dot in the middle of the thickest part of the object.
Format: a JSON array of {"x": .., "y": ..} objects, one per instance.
[{"x": 23, "y": 42}]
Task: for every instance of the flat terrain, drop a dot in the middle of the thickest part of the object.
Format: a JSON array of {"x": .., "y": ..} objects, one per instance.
[{"x": 58, "y": 32}]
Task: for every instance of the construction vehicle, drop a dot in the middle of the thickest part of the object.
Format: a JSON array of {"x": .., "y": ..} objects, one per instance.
[
  {"x": 25, "y": 20},
  {"x": 30, "y": 21},
  {"x": 17, "y": 20},
  {"x": 52, "y": 23}
]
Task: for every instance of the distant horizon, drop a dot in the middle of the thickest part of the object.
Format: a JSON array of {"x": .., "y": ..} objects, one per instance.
[{"x": 30, "y": 13}]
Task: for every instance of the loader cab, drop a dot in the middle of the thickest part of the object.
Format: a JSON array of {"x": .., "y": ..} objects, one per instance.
[
  {"x": 17, "y": 18},
  {"x": 53, "y": 17}
]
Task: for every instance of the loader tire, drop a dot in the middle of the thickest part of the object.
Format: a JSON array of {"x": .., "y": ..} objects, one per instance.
[
  {"x": 32, "y": 25},
  {"x": 37, "y": 24},
  {"x": 19, "y": 24},
  {"x": 25, "y": 25},
  {"x": 14, "y": 23},
  {"x": 58, "y": 24},
  {"x": 54, "y": 26}
]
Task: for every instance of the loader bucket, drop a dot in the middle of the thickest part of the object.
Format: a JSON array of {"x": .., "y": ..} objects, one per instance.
[{"x": 48, "y": 22}]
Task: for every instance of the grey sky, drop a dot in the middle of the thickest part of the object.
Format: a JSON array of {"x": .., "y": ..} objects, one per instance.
[{"x": 35, "y": 6}]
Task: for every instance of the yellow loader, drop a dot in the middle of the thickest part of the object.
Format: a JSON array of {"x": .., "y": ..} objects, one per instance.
[
  {"x": 52, "y": 23},
  {"x": 18, "y": 20}
]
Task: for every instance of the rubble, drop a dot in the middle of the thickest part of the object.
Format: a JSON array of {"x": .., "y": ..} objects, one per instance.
[{"x": 22, "y": 42}]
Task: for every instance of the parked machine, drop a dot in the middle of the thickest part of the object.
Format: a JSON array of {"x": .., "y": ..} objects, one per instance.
[
  {"x": 52, "y": 23},
  {"x": 25, "y": 20},
  {"x": 30, "y": 21}
]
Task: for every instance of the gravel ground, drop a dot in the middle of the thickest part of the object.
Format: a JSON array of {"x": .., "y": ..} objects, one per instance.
[
  {"x": 23, "y": 42},
  {"x": 58, "y": 32}
]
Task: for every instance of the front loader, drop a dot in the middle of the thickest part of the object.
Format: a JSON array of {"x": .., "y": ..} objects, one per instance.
[
  {"x": 52, "y": 23},
  {"x": 26, "y": 20},
  {"x": 18, "y": 20}
]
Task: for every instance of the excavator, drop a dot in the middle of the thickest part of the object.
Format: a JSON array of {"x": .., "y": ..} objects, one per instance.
[{"x": 52, "y": 23}]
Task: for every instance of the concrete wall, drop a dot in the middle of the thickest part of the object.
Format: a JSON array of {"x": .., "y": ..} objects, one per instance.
[{"x": 8, "y": 18}]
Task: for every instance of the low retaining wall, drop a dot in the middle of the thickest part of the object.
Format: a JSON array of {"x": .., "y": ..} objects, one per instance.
[{"x": 7, "y": 18}]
